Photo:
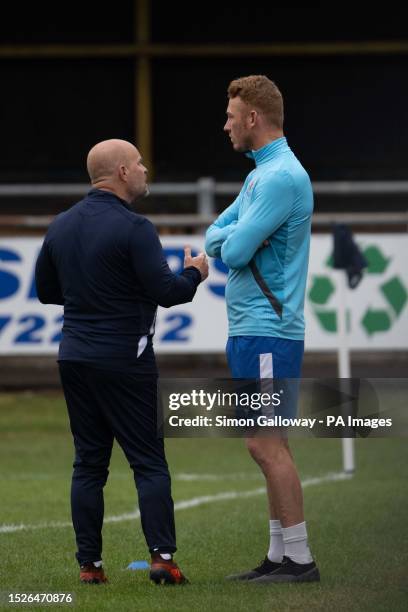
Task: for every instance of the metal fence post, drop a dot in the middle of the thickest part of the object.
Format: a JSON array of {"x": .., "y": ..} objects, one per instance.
[{"x": 206, "y": 196}]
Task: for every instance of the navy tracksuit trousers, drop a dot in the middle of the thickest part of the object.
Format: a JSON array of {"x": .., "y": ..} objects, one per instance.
[{"x": 104, "y": 405}]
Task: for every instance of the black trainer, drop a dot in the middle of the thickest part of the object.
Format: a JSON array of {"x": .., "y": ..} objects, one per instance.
[
  {"x": 290, "y": 571},
  {"x": 266, "y": 567}
]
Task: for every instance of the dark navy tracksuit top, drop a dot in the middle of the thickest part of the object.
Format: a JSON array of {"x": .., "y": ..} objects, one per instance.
[{"x": 106, "y": 265}]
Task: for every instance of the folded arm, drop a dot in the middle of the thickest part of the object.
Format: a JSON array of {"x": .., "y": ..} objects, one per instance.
[
  {"x": 270, "y": 208},
  {"x": 222, "y": 227}
]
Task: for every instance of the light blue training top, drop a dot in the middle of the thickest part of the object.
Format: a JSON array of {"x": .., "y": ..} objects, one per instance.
[{"x": 265, "y": 289}]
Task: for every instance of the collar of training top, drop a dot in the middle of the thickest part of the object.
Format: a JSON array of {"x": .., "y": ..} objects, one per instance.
[
  {"x": 102, "y": 194},
  {"x": 268, "y": 151}
]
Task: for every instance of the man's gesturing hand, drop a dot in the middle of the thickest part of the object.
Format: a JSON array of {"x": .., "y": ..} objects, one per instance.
[{"x": 200, "y": 262}]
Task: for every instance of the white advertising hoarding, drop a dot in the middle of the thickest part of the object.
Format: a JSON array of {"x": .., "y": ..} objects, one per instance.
[{"x": 377, "y": 309}]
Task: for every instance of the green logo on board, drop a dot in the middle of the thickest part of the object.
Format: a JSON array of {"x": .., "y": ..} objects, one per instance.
[{"x": 322, "y": 296}]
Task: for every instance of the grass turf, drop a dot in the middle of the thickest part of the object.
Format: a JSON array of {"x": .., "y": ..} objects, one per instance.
[{"x": 357, "y": 528}]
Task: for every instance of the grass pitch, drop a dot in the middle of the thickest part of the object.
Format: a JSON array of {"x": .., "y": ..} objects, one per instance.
[{"x": 357, "y": 528}]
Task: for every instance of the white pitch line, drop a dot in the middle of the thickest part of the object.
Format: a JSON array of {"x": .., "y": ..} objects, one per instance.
[
  {"x": 181, "y": 505},
  {"x": 191, "y": 477}
]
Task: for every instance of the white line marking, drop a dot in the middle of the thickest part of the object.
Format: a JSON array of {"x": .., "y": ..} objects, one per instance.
[
  {"x": 181, "y": 505},
  {"x": 188, "y": 477}
]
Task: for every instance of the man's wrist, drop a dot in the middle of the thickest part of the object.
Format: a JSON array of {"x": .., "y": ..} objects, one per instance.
[{"x": 197, "y": 273}]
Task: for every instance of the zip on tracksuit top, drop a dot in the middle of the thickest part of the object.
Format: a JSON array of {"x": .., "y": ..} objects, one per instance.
[
  {"x": 265, "y": 289},
  {"x": 106, "y": 265}
]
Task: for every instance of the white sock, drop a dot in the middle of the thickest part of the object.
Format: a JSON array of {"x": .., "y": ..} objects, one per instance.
[
  {"x": 97, "y": 563},
  {"x": 275, "y": 552},
  {"x": 295, "y": 543},
  {"x": 165, "y": 556}
]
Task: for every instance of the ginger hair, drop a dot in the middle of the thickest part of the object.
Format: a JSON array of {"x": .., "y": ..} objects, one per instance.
[{"x": 260, "y": 93}]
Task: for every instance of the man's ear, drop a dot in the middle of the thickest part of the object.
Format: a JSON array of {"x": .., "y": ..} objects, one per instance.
[
  {"x": 253, "y": 116},
  {"x": 123, "y": 172}
]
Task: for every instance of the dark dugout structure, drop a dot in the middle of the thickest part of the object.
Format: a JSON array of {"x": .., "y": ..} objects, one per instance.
[{"x": 157, "y": 72}]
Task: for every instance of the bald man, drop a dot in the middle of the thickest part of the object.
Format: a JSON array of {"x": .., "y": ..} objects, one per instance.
[
  {"x": 105, "y": 264},
  {"x": 116, "y": 165}
]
